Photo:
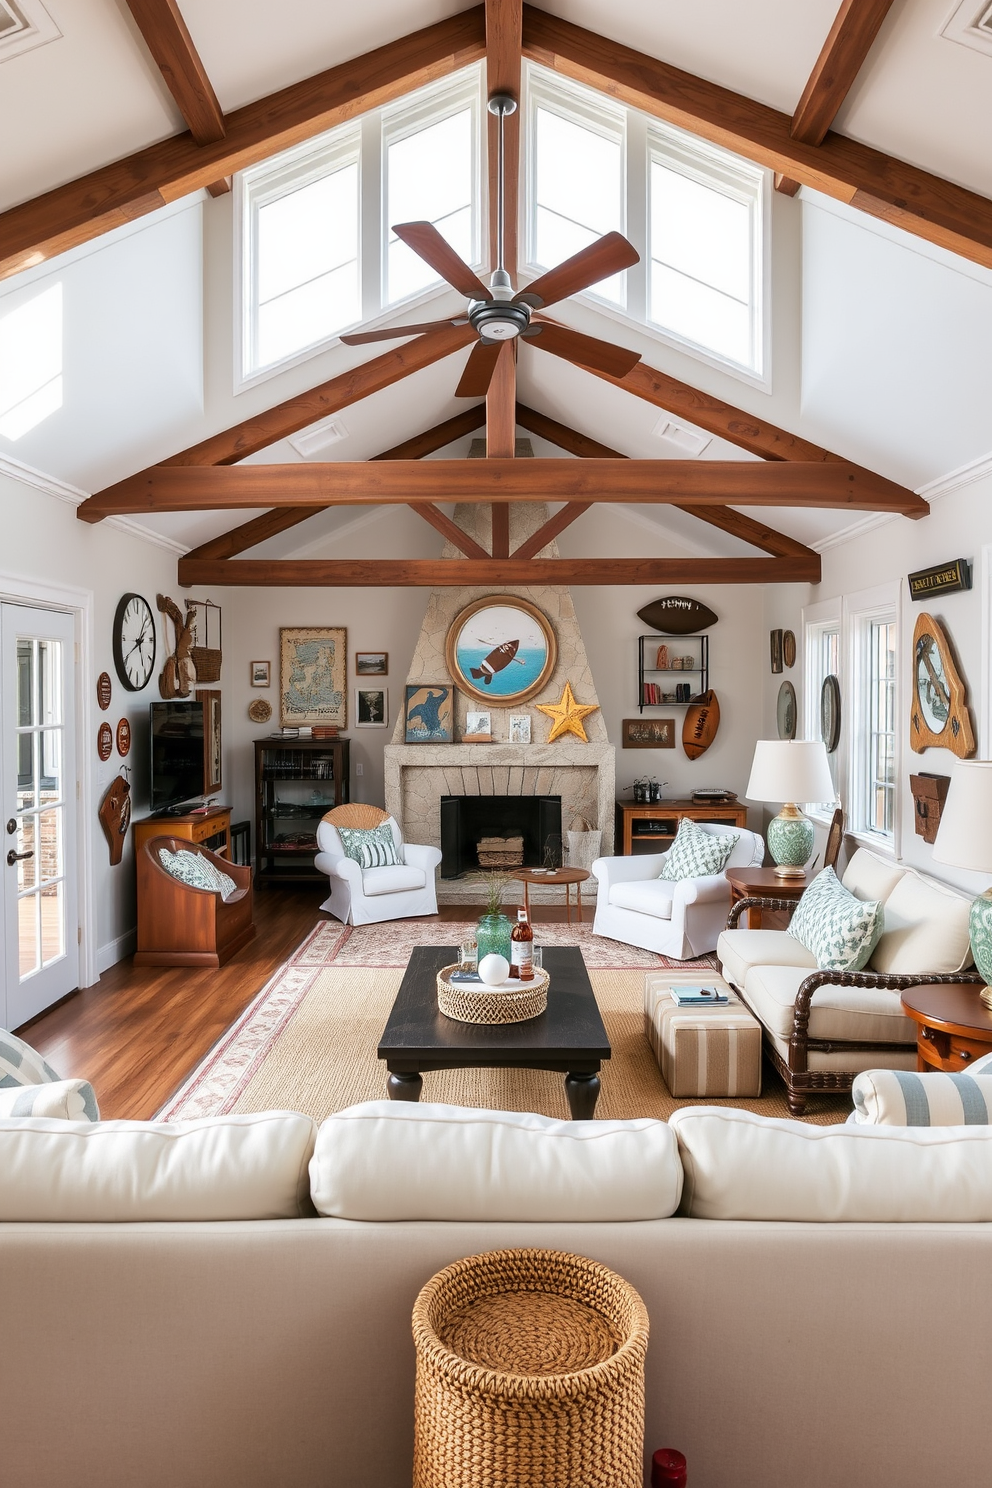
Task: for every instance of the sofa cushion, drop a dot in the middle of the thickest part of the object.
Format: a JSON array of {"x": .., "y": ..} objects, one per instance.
[
  {"x": 868, "y": 1014},
  {"x": 392, "y": 880},
  {"x": 219, "y": 1167},
  {"x": 397, "y": 1161},
  {"x": 885, "y": 1097},
  {"x": 197, "y": 871},
  {"x": 742, "y": 1166},
  {"x": 696, "y": 853},
  {"x": 926, "y": 928},
  {"x": 651, "y": 896},
  {"x": 870, "y": 877},
  {"x": 20, "y": 1064},
  {"x": 62, "y": 1100},
  {"x": 839, "y": 929},
  {"x": 739, "y": 950}
]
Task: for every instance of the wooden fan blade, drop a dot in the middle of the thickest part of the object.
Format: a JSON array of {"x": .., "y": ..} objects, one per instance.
[
  {"x": 428, "y": 244},
  {"x": 601, "y": 259},
  {"x": 479, "y": 369},
  {"x": 359, "y": 338},
  {"x": 587, "y": 351}
]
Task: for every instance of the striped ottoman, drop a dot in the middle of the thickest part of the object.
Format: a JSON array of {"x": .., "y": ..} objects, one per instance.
[{"x": 702, "y": 1050}]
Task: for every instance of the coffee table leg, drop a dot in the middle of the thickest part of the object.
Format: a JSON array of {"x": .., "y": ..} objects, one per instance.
[
  {"x": 582, "y": 1092},
  {"x": 404, "y": 1087},
  {"x": 578, "y": 899}
]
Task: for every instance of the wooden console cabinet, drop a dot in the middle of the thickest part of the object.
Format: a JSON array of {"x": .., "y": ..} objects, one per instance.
[
  {"x": 297, "y": 780},
  {"x": 209, "y": 828},
  {"x": 653, "y": 828}
]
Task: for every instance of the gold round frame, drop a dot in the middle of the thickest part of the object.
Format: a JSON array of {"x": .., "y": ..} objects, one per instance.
[{"x": 503, "y": 602}]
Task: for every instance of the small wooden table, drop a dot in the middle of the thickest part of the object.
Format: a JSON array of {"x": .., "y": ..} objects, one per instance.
[
  {"x": 566, "y": 876},
  {"x": 955, "y": 1026},
  {"x": 763, "y": 883}
]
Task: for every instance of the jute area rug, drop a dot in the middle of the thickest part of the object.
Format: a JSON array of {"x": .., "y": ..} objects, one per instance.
[{"x": 308, "y": 1041}]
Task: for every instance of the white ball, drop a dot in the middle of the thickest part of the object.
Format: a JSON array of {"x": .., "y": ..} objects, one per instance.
[{"x": 494, "y": 970}]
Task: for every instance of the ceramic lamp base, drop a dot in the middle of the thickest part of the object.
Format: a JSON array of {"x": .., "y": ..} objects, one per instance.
[
  {"x": 981, "y": 941},
  {"x": 790, "y": 842}
]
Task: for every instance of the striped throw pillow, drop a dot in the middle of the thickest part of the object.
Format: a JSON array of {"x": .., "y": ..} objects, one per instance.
[
  {"x": 20, "y": 1064},
  {"x": 885, "y": 1097},
  {"x": 61, "y": 1100},
  {"x": 370, "y": 847}
]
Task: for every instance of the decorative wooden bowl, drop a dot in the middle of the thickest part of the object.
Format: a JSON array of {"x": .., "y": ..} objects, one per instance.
[{"x": 466, "y": 1003}]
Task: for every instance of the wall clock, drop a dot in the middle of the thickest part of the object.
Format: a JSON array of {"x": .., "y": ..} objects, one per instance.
[
  {"x": 134, "y": 642},
  {"x": 940, "y": 714},
  {"x": 501, "y": 650}
]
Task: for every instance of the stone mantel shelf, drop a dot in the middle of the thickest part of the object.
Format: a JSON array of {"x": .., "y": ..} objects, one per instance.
[{"x": 564, "y": 753}]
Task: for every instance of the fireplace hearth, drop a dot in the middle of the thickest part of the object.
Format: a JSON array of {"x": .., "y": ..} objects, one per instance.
[{"x": 466, "y": 820}]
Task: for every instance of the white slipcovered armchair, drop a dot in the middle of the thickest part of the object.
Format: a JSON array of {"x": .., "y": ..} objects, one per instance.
[
  {"x": 684, "y": 919},
  {"x": 364, "y": 896}
]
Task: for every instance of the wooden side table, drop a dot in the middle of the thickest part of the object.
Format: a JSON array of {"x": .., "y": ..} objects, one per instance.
[
  {"x": 566, "y": 876},
  {"x": 954, "y": 1025},
  {"x": 210, "y": 828},
  {"x": 763, "y": 883}
]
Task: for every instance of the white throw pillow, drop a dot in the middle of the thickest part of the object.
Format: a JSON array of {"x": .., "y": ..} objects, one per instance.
[
  {"x": 887, "y": 1097},
  {"x": 742, "y": 1166},
  {"x": 62, "y": 1100},
  {"x": 696, "y": 853},
  {"x": 400, "y": 1161},
  {"x": 219, "y": 1167},
  {"x": 840, "y": 930}
]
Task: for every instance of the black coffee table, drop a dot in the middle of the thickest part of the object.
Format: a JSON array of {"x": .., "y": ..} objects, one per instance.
[{"x": 569, "y": 1036}]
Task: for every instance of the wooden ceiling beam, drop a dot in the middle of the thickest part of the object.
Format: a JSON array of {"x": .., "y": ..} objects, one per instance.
[
  {"x": 141, "y": 183},
  {"x": 562, "y": 518},
  {"x": 368, "y": 483},
  {"x": 165, "y": 34},
  {"x": 434, "y": 573},
  {"x": 878, "y": 184},
  {"x": 251, "y": 533},
  {"x": 449, "y": 529},
  {"x": 504, "y": 28}
]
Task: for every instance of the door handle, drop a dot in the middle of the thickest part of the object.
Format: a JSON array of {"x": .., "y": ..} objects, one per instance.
[{"x": 16, "y": 857}]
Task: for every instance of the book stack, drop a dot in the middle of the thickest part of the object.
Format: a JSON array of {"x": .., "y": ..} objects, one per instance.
[
  {"x": 698, "y": 996},
  {"x": 325, "y": 731}
]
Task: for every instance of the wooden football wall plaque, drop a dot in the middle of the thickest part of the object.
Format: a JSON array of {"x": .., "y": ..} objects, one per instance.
[
  {"x": 104, "y": 690},
  {"x": 677, "y": 614},
  {"x": 105, "y": 741},
  {"x": 702, "y": 720}
]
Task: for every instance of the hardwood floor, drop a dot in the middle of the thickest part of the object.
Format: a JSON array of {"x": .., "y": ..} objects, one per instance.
[{"x": 142, "y": 1030}]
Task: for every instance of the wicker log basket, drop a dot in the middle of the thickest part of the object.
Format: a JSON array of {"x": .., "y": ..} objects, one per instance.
[{"x": 530, "y": 1374}]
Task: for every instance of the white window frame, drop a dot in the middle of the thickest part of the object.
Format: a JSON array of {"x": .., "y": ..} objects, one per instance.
[
  {"x": 818, "y": 621},
  {"x": 642, "y": 137},
  {"x": 860, "y": 611}
]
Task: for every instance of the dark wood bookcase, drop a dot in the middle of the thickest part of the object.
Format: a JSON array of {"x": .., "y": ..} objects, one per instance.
[{"x": 296, "y": 782}]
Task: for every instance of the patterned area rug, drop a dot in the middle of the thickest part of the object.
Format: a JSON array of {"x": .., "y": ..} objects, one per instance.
[{"x": 308, "y": 1041}]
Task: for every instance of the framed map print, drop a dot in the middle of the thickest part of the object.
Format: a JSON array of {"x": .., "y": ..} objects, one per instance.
[
  {"x": 313, "y": 675},
  {"x": 501, "y": 650}
]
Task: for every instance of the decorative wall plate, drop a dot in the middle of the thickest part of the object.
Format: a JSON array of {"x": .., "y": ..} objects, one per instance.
[
  {"x": 786, "y": 713},
  {"x": 940, "y": 714},
  {"x": 123, "y": 738},
  {"x": 830, "y": 712},
  {"x": 789, "y": 647},
  {"x": 501, "y": 650},
  {"x": 259, "y": 711},
  {"x": 677, "y": 614},
  {"x": 104, "y": 690},
  {"x": 700, "y": 725},
  {"x": 105, "y": 741}
]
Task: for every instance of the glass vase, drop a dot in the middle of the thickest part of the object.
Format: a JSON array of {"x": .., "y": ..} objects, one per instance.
[{"x": 493, "y": 935}]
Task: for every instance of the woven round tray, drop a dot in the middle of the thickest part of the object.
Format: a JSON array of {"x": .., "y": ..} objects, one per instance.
[
  {"x": 474, "y": 1004},
  {"x": 530, "y": 1374}
]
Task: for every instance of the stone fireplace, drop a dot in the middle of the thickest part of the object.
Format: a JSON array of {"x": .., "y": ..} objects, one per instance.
[{"x": 468, "y": 820}]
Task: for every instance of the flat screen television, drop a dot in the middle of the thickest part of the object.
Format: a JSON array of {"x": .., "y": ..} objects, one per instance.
[{"x": 176, "y": 733}]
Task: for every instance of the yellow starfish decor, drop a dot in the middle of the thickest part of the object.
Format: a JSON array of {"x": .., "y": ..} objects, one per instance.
[{"x": 567, "y": 715}]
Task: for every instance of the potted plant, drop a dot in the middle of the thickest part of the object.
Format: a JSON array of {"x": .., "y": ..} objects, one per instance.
[{"x": 494, "y": 929}]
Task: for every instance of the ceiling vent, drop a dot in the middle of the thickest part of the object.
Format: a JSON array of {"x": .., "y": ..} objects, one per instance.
[
  {"x": 685, "y": 443},
  {"x": 24, "y": 25},
  {"x": 971, "y": 25},
  {"x": 313, "y": 441}
]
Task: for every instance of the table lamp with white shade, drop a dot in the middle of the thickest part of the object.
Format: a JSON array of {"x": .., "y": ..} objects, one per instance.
[
  {"x": 964, "y": 840},
  {"x": 790, "y": 770}
]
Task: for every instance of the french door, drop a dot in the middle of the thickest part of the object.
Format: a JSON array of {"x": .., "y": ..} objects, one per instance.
[{"x": 38, "y": 769}]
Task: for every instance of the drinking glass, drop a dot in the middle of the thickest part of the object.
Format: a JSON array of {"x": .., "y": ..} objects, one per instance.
[{"x": 538, "y": 958}]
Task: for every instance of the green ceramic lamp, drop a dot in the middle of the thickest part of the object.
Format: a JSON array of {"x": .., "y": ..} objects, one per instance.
[
  {"x": 790, "y": 770},
  {"x": 964, "y": 840}
]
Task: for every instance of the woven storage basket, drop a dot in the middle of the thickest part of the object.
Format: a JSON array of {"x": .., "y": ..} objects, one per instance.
[
  {"x": 207, "y": 660},
  {"x": 471, "y": 1004},
  {"x": 530, "y": 1374}
]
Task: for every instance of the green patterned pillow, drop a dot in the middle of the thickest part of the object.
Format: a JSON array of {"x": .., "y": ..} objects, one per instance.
[
  {"x": 372, "y": 847},
  {"x": 696, "y": 853},
  {"x": 840, "y": 930},
  {"x": 197, "y": 871}
]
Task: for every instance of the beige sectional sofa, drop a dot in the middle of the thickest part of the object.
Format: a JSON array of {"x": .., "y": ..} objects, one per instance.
[
  {"x": 823, "y": 1027},
  {"x": 819, "y": 1297}
]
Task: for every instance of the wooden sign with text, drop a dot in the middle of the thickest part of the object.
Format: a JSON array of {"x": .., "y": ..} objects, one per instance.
[{"x": 946, "y": 578}]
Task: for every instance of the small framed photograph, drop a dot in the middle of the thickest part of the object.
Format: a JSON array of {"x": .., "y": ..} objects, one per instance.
[
  {"x": 519, "y": 728},
  {"x": 372, "y": 663},
  {"x": 371, "y": 707},
  {"x": 261, "y": 674},
  {"x": 430, "y": 713},
  {"x": 648, "y": 733},
  {"x": 478, "y": 728}
]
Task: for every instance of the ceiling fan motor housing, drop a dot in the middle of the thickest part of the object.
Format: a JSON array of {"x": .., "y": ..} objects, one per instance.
[{"x": 501, "y": 318}]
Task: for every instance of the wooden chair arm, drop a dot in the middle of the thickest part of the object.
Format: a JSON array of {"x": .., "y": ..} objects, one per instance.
[
  {"x": 753, "y": 902},
  {"x": 817, "y": 979}
]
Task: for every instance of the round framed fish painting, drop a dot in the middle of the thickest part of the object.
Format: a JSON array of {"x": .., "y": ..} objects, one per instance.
[{"x": 501, "y": 650}]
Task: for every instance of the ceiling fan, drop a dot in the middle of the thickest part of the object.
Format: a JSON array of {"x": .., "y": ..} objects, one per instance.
[{"x": 498, "y": 314}]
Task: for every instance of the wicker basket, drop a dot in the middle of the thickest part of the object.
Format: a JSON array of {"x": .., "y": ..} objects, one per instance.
[
  {"x": 471, "y": 1004},
  {"x": 530, "y": 1374},
  {"x": 501, "y": 852},
  {"x": 207, "y": 661}
]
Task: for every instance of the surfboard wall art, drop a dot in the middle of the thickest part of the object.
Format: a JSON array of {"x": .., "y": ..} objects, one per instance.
[
  {"x": 501, "y": 650},
  {"x": 676, "y": 614}
]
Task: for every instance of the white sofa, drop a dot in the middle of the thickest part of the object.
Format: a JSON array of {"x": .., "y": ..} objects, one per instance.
[
  {"x": 366, "y": 896},
  {"x": 787, "y": 1344},
  {"x": 822, "y": 1027},
  {"x": 681, "y": 919}
]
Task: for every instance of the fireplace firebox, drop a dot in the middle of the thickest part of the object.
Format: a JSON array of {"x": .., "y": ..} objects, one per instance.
[{"x": 466, "y": 820}]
